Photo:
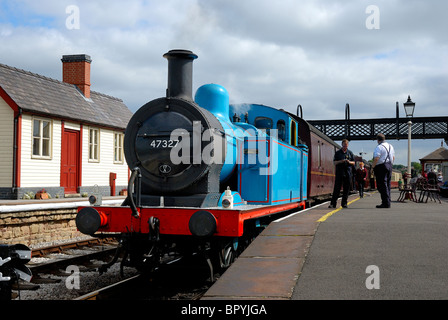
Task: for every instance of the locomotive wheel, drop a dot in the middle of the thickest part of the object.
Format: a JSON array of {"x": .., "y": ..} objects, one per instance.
[
  {"x": 227, "y": 253},
  {"x": 227, "y": 256}
]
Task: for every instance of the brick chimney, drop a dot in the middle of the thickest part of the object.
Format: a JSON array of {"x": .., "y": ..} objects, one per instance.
[{"x": 76, "y": 70}]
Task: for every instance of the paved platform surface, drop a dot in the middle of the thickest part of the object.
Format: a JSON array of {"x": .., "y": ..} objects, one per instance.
[{"x": 359, "y": 252}]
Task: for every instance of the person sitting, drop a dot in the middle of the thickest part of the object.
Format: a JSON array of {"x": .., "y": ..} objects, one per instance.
[{"x": 432, "y": 177}]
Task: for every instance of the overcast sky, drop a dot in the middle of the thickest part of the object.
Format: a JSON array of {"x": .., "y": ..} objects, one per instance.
[{"x": 320, "y": 54}]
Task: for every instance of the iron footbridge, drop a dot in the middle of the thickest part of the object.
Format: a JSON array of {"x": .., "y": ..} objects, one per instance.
[{"x": 392, "y": 128}]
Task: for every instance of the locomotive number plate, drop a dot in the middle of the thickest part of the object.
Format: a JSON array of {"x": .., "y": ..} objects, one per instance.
[{"x": 163, "y": 143}]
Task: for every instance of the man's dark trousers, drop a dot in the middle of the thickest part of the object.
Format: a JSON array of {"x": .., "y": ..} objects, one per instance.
[
  {"x": 383, "y": 173},
  {"x": 343, "y": 181}
]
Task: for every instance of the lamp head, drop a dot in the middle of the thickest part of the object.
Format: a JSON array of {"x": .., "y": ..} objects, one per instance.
[{"x": 409, "y": 107}]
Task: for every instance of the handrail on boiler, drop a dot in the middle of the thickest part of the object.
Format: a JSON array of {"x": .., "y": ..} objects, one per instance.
[{"x": 135, "y": 174}]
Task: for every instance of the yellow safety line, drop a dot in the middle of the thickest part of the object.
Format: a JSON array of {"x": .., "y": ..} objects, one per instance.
[{"x": 325, "y": 217}]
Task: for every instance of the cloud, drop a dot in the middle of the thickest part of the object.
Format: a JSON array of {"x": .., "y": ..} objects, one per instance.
[{"x": 281, "y": 53}]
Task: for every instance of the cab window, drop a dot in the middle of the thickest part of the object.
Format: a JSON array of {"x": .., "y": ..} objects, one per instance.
[
  {"x": 281, "y": 127},
  {"x": 264, "y": 123}
]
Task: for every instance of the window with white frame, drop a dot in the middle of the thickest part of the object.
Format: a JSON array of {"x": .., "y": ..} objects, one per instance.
[
  {"x": 94, "y": 145},
  {"x": 42, "y": 132},
  {"x": 118, "y": 147}
]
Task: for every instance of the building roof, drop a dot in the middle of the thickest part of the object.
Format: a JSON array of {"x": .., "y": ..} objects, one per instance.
[
  {"x": 42, "y": 95},
  {"x": 438, "y": 154}
]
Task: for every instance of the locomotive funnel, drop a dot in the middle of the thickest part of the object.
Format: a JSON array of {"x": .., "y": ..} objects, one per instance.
[{"x": 180, "y": 74}]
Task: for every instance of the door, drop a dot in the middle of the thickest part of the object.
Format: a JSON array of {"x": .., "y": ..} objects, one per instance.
[{"x": 70, "y": 160}]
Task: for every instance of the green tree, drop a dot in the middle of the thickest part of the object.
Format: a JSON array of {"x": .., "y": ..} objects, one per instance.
[{"x": 417, "y": 166}]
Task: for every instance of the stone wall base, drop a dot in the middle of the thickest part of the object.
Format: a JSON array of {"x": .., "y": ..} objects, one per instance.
[{"x": 32, "y": 228}]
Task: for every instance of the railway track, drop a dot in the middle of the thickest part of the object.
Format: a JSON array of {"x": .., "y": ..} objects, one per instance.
[
  {"x": 73, "y": 253},
  {"x": 184, "y": 279},
  {"x": 108, "y": 292},
  {"x": 53, "y": 277},
  {"x": 59, "y": 248},
  {"x": 55, "y": 269}
]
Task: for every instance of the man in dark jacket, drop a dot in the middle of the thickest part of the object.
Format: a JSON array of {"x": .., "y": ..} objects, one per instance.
[{"x": 344, "y": 160}]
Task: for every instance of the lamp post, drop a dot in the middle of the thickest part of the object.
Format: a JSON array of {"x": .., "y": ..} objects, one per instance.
[{"x": 409, "y": 109}]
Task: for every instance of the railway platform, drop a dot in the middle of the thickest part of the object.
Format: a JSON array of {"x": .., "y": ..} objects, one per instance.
[
  {"x": 359, "y": 252},
  {"x": 38, "y": 223},
  {"x": 32, "y": 204}
]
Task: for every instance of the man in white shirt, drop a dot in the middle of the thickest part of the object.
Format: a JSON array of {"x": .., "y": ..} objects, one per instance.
[{"x": 383, "y": 159}]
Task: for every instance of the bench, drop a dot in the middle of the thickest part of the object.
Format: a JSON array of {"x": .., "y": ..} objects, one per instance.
[
  {"x": 408, "y": 191},
  {"x": 429, "y": 189}
]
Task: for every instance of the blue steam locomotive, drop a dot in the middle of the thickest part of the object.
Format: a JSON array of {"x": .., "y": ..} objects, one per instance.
[{"x": 205, "y": 174}]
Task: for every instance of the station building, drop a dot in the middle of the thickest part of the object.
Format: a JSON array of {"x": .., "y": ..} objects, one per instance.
[
  {"x": 436, "y": 161},
  {"x": 59, "y": 136}
]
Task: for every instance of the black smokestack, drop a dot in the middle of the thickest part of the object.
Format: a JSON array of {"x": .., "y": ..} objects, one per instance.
[{"x": 180, "y": 74}]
